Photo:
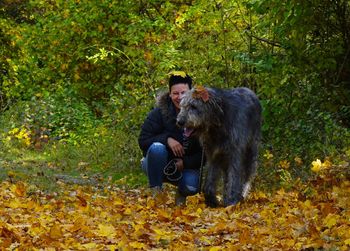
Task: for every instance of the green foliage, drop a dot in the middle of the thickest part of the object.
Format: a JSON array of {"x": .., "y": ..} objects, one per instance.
[
  {"x": 58, "y": 116},
  {"x": 301, "y": 93}
]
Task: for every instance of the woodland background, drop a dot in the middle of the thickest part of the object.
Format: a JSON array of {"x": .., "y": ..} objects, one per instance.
[
  {"x": 82, "y": 75},
  {"x": 78, "y": 77}
]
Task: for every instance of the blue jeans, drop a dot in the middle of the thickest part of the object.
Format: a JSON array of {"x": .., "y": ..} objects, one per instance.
[{"x": 153, "y": 166}]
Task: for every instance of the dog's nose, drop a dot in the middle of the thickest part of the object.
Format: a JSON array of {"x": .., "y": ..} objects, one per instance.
[{"x": 180, "y": 122}]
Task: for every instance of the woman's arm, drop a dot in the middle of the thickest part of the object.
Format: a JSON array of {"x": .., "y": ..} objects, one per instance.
[{"x": 152, "y": 130}]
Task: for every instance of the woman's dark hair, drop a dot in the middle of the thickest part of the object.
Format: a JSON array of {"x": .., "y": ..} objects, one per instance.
[{"x": 179, "y": 79}]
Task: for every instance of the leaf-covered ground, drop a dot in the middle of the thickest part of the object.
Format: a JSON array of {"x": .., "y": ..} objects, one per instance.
[{"x": 309, "y": 217}]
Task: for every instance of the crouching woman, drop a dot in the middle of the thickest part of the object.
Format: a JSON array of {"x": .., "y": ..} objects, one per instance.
[{"x": 169, "y": 156}]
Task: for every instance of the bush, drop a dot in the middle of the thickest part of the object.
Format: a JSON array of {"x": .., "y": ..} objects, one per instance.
[
  {"x": 105, "y": 151},
  {"x": 59, "y": 116}
]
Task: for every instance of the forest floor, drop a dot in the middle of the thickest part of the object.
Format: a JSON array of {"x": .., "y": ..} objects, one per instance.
[{"x": 91, "y": 213}]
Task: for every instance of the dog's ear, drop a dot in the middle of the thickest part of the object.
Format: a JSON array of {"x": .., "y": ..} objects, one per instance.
[{"x": 201, "y": 92}]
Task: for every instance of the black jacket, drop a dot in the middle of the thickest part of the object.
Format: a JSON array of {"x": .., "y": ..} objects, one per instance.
[{"x": 160, "y": 124}]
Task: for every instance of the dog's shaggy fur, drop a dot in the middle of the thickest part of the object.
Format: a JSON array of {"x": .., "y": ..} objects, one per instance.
[{"x": 228, "y": 124}]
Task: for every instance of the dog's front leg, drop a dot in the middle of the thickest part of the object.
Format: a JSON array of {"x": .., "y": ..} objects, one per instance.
[
  {"x": 210, "y": 186},
  {"x": 233, "y": 184}
]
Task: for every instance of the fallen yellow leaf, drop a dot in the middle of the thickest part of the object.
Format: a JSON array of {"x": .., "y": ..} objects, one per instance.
[
  {"x": 316, "y": 166},
  {"x": 330, "y": 220},
  {"x": 89, "y": 246},
  {"x": 19, "y": 189},
  {"x": 137, "y": 245},
  {"x": 105, "y": 230},
  {"x": 216, "y": 248},
  {"x": 56, "y": 232}
]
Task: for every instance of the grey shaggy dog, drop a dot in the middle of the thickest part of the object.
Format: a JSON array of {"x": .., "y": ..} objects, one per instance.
[{"x": 228, "y": 124}]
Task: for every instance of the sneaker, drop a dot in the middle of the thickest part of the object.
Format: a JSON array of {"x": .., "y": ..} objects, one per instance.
[{"x": 180, "y": 200}]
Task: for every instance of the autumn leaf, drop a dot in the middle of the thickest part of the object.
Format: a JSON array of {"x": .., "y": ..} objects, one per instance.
[
  {"x": 7, "y": 232},
  {"x": 284, "y": 164},
  {"x": 82, "y": 201},
  {"x": 19, "y": 189},
  {"x": 268, "y": 155},
  {"x": 178, "y": 73},
  {"x": 78, "y": 224},
  {"x": 56, "y": 232},
  {"x": 298, "y": 161},
  {"x": 105, "y": 230},
  {"x": 327, "y": 164},
  {"x": 330, "y": 220},
  {"x": 89, "y": 246},
  {"x": 164, "y": 215},
  {"x": 316, "y": 166},
  {"x": 137, "y": 245}
]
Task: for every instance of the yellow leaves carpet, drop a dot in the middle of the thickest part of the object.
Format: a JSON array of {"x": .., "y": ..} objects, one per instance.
[{"x": 87, "y": 218}]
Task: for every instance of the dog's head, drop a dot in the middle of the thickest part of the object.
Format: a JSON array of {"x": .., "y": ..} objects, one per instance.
[{"x": 199, "y": 110}]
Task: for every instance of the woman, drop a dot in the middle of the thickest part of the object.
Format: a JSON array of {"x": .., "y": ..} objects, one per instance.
[{"x": 164, "y": 146}]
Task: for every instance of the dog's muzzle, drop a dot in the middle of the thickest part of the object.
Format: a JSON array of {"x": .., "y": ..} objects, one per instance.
[{"x": 180, "y": 123}]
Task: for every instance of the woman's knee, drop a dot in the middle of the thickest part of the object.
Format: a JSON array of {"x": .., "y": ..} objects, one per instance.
[{"x": 156, "y": 148}]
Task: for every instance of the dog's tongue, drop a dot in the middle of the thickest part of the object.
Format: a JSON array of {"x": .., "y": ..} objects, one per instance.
[{"x": 188, "y": 132}]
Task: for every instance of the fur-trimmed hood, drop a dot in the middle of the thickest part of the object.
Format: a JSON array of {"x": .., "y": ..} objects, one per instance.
[{"x": 164, "y": 103}]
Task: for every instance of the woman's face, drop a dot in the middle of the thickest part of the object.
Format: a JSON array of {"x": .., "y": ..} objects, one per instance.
[{"x": 176, "y": 93}]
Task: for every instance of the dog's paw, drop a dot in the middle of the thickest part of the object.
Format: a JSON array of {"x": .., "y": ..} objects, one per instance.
[
  {"x": 211, "y": 202},
  {"x": 232, "y": 202}
]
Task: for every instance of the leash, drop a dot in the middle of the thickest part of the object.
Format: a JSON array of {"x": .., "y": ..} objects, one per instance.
[
  {"x": 201, "y": 171},
  {"x": 171, "y": 171}
]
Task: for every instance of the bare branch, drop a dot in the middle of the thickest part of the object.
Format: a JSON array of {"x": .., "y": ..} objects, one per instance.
[{"x": 265, "y": 40}]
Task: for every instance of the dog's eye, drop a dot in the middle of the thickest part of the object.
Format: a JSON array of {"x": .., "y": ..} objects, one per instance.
[{"x": 193, "y": 107}]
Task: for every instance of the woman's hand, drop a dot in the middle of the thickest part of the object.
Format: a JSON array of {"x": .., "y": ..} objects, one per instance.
[
  {"x": 176, "y": 147},
  {"x": 179, "y": 164}
]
